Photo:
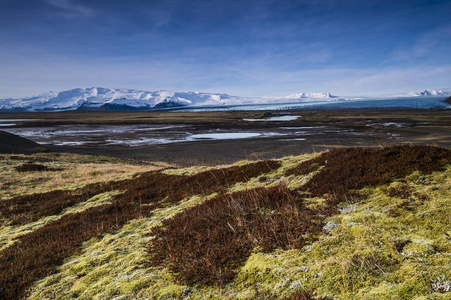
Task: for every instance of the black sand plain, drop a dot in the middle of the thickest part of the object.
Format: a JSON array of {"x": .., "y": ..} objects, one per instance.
[{"x": 343, "y": 128}]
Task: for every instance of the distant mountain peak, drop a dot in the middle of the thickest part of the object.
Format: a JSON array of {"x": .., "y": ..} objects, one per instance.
[{"x": 311, "y": 95}]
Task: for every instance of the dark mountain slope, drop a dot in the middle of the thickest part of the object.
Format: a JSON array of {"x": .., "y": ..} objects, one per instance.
[{"x": 11, "y": 143}]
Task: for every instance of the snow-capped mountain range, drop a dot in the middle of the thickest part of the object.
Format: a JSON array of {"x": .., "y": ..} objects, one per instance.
[
  {"x": 108, "y": 98},
  {"x": 427, "y": 93},
  {"x": 97, "y": 98}
]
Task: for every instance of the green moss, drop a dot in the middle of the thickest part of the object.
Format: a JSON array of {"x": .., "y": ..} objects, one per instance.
[
  {"x": 382, "y": 248},
  {"x": 9, "y": 234}
]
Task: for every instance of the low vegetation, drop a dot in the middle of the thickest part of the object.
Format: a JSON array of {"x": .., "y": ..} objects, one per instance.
[
  {"x": 32, "y": 167},
  {"x": 208, "y": 243},
  {"x": 344, "y": 171},
  {"x": 30, "y": 208},
  {"x": 73, "y": 171},
  {"x": 38, "y": 252},
  {"x": 348, "y": 223}
]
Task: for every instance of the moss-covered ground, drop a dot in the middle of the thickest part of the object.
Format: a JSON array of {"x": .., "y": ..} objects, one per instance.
[{"x": 395, "y": 243}]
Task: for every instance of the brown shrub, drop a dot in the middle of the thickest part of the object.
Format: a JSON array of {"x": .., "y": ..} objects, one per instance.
[
  {"x": 305, "y": 167},
  {"x": 32, "y": 167},
  {"x": 149, "y": 187},
  {"x": 173, "y": 188},
  {"x": 351, "y": 169},
  {"x": 29, "y": 208},
  {"x": 207, "y": 243},
  {"x": 36, "y": 254}
]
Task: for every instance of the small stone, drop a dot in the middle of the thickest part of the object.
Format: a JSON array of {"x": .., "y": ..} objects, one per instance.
[{"x": 329, "y": 226}]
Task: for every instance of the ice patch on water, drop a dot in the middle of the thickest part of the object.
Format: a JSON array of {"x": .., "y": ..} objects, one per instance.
[
  {"x": 69, "y": 143},
  {"x": 141, "y": 142},
  {"x": 273, "y": 119},
  {"x": 225, "y": 135},
  {"x": 392, "y": 124},
  {"x": 301, "y": 127}
]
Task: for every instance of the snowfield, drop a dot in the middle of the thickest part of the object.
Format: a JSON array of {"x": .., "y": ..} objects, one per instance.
[{"x": 96, "y": 98}]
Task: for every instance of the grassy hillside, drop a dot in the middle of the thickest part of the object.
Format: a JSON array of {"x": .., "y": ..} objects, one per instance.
[{"x": 345, "y": 224}]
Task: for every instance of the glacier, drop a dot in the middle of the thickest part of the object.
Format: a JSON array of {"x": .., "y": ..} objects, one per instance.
[{"x": 98, "y": 98}]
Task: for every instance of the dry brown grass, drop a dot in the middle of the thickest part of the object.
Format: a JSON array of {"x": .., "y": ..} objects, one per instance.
[{"x": 70, "y": 175}]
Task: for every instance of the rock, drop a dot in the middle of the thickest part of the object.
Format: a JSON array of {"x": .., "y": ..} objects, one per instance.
[{"x": 329, "y": 226}]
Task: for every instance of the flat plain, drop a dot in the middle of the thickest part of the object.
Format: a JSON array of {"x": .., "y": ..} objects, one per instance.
[{"x": 311, "y": 131}]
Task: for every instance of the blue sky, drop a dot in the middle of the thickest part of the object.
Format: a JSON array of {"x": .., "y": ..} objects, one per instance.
[{"x": 245, "y": 47}]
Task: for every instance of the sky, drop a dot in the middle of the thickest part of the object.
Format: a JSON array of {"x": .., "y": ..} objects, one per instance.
[{"x": 244, "y": 47}]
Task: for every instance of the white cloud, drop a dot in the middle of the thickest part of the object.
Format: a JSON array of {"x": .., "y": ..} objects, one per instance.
[{"x": 70, "y": 9}]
